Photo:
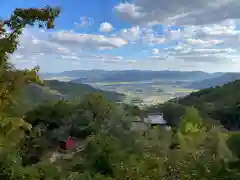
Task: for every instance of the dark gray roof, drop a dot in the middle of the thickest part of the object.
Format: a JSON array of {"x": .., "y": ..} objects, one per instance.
[
  {"x": 155, "y": 119},
  {"x": 152, "y": 119}
]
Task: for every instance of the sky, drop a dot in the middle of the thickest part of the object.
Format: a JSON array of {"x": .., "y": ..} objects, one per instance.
[{"x": 138, "y": 34}]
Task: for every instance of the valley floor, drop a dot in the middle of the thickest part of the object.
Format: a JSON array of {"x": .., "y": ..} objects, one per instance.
[{"x": 145, "y": 92}]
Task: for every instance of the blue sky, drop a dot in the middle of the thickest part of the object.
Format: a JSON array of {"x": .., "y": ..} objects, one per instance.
[{"x": 137, "y": 34}]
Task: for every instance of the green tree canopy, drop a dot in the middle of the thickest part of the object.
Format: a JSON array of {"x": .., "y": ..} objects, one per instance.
[{"x": 12, "y": 79}]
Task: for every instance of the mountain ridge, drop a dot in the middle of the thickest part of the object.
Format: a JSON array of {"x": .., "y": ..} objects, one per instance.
[
  {"x": 54, "y": 90},
  {"x": 216, "y": 81},
  {"x": 126, "y": 75}
]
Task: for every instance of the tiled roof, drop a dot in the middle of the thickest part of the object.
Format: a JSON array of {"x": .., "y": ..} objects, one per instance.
[{"x": 155, "y": 119}]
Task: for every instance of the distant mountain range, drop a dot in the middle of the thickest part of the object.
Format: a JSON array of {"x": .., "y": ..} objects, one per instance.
[
  {"x": 215, "y": 81},
  {"x": 191, "y": 79},
  {"x": 88, "y": 76}
]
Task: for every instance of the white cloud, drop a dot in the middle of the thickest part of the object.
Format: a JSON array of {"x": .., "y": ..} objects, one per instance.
[
  {"x": 106, "y": 58},
  {"x": 18, "y": 56},
  {"x": 128, "y": 10},
  {"x": 84, "y": 22},
  {"x": 193, "y": 47},
  {"x": 87, "y": 41},
  {"x": 152, "y": 39},
  {"x": 120, "y": 57},
  {"x": 65, "y": 49},
  {"x": 32, "y": 44},
  {"x": 211, "y": 46},
  {"x": 131, "y": 34},
  {"x": 204, "y": 43},
  {"x": 143, "y": 35},
  {"x": 179, "y": 12},
  {"x": 69, "y": 57},
  {"x": 105, "y": 27},
  {"x": 155, "y": 51}
]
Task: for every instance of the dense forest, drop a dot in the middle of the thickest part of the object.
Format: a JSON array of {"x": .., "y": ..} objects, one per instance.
[{"x": 103, "y": 145}]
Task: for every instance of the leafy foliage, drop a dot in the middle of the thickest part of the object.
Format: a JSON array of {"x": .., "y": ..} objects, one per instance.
[{"x": 12, "y": 79}]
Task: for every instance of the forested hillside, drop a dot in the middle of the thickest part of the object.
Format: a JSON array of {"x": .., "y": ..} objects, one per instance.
[
  {"x": 220, "y": 104},
  {"x": 52, "y": 91},
  {"x": 71, "y": 90},
  {"x": 92, "y": 139}
]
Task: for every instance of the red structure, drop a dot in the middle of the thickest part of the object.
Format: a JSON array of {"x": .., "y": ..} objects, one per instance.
[{"x": 66, "y": 144}]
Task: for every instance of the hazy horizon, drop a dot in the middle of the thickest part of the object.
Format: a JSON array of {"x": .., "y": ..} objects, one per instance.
[{"x": 56, "y": 72}]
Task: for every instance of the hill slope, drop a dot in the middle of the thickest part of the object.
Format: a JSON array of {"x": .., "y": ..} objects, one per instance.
[
  {"x": 54, "y": 90},
  {"x": 70, "y": 90},
  {"x": 220, "y": 103},
  {"x": 213, "y": 82}
]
